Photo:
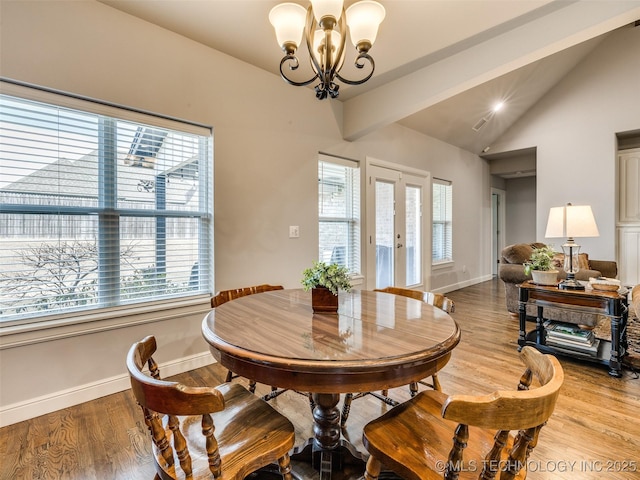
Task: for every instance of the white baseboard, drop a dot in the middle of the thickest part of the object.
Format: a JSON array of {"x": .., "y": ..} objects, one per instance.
[
  {"x": 35, "y": 407},
  {"x": 463, "y": 284}
]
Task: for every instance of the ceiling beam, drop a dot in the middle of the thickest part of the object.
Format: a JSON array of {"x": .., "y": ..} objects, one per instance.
[{"x": 545, "y": 35}]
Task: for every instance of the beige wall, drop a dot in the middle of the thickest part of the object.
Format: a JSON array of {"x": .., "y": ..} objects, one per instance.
[
  {"x": 574, "y": 129},
  {"x": 266, "y": 139},
  {"x": 521, "y": 211}
]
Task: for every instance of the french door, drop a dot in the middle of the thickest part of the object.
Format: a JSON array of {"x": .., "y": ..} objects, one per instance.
[{"x": 398, "y": 218}]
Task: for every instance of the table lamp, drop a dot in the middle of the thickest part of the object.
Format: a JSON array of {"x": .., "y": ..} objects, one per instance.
[{"x": 571, "y": 221}]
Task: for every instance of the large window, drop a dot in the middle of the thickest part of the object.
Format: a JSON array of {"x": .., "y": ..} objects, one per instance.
[
  {"x": 339, "y": 212},
  {"x": 442, "y": 242},
  {"x": 99, "y": 206}
]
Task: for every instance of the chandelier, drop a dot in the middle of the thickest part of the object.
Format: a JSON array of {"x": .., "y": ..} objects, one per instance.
[{"x": 324, "y": 25}]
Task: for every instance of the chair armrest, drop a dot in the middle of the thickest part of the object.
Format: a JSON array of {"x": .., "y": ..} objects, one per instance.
[
  {"x": 512, "y": 273},
  {"x": 608, "y": 268}
]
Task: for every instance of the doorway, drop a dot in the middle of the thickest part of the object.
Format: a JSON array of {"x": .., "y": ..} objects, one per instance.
[
  {"x": 498, "y": 212},
  {"x": 398, "y": 222}
]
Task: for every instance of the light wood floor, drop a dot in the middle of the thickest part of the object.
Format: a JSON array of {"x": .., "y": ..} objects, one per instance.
[{"x": 593, "y": 434}]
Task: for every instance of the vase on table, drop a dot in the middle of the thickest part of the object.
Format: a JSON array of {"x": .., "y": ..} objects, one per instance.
[
  {"x": 545, "y": 277},
  {"x": 323, "y": 300}
]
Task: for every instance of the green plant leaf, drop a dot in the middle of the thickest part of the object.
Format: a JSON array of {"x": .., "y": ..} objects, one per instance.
[{"x": 331, "y": 276}]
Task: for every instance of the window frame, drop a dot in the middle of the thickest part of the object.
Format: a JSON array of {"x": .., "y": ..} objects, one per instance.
[
  {"x": 442, "y": 187},
  {"x": 102, "y": 315},
  {"x": 352, "y": 222}
]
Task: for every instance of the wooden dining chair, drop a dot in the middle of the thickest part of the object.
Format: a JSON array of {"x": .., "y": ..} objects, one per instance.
[
  {"x": 204, "y": 432},
  {"x": 435, "y": 436},
  {"x": 224, "y": 296},
  {"x": 437, "y": 300}
]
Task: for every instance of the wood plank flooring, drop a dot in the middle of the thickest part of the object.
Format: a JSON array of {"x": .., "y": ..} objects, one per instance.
[{"x": 593, "y": 434}]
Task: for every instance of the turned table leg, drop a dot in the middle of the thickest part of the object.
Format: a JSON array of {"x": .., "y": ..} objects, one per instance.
[
  {"x": 326, "y": 420},
  {"x": 615, "y": 361},
  {"x": 327, "y": 451},
  {"x": 522, "y": 317}
]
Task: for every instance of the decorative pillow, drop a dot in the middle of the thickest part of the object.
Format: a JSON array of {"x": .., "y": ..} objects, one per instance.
[{"x": 583, "y": 261}]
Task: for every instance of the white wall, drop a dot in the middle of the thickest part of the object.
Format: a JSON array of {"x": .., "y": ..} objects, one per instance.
[
  {"x": 574, "y": 127},
  {"x": 266, "y": 139}
]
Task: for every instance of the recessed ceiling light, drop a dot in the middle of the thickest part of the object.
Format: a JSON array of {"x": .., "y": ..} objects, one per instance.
[{"x": 498, "y": 106}]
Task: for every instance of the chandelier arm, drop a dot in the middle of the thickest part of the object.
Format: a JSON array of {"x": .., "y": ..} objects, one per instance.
[
  {"x": 335, "y": 68},
  {"x": 309, "y": 29},
  {"x": 362, "y": 56},
  {"x": 294, "y": 66}
]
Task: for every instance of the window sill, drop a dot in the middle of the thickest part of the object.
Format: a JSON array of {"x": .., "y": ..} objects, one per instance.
[
  {"x": 83, "y": 323},
  {"x": 442, "y": 265}
]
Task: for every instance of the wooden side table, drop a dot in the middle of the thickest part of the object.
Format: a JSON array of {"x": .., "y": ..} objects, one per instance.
[{"x": 611, "y": 304}]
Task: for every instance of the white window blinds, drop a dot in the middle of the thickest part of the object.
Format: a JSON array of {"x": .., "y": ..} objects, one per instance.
[
  {"x": 339, "y": 212},
  {"x": 442, "y": 228},
  {"x": 99, "y": 210}
]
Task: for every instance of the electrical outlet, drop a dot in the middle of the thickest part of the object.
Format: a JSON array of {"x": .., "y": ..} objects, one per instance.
[{"x": 294, "y": 231}]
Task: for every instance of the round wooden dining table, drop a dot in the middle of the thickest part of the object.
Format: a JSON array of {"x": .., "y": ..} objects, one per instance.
[{"x": 376, "y": 341}]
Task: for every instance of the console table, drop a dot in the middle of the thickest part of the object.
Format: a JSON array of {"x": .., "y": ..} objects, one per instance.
[{"x": 611, "y": 304}]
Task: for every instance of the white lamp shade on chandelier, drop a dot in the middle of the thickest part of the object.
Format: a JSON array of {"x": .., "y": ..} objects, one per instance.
[
  {"x": 324, "y": 27},
  {"x": 363, "y": 19},
  {"x": 288, "y": 21},
  {"x": 319, "y": 45},
  {"x": 323, "y": 8}
]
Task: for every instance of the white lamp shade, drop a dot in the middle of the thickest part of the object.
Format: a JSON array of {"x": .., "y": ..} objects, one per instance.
[
  {"x": 363, "y": 19},
  {"x": 288, "y": 20},
  {"x": 571, "y": 221},
  {"x": 322, "y": 8},
  {"x": 555, "y": 223},
  {"x": 318, "y": 43}
]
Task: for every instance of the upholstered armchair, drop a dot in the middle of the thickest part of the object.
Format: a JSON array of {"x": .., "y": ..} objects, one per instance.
[{"x": 511, "y": 272}]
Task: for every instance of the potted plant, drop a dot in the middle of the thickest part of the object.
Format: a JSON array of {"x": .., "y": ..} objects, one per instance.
[
  {"x": 540, "y": 266},
  {"x": 325, "y": 281}
]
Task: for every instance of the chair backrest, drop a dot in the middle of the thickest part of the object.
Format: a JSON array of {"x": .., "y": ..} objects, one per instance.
[
  {"x": 227, "y": 295},
  {"x": 435, "y": 299},
  {"x": 156, "y": 396},
  {"x": 525, "y": 410}
]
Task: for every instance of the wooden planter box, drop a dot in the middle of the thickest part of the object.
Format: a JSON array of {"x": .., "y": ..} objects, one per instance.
[{"x": 323, "y": 301}]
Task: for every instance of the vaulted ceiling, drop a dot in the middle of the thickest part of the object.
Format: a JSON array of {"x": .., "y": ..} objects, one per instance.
[{"x": 441, "y": 65}]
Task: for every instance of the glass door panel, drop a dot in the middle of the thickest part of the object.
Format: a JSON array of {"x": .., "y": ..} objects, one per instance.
[
  {"x": 413, "y": 235},
  {"x": 384, "y": 233}
]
